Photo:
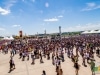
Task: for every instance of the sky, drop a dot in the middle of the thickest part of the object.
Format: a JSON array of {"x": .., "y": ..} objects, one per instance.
[{"x": 32, "y": 16}]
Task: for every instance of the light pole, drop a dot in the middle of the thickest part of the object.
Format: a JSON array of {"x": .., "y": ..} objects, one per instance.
[
  {"x": 60, "y": 31},
  {"x": 45, "y": 33}
]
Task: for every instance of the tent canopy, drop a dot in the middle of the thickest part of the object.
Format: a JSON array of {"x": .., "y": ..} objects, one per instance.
[
  {"x": 91, "y": 32},
  {"x": 8, "y": 38}
]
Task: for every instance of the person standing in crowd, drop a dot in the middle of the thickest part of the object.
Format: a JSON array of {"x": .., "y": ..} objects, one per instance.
[
  {"x": 88, "y": 57},
  {"x": 60, "y": 72},
  {"x": 53, "y": 57},
  {"x": 43, "y": 72},
  {"x": 12, "y": 52},
  {"x": 62, "y": 56},
  {"x": 27, "y": 54},
  {"x": 33, "y": 58},
  {"x": 76, "y": 65},
  {"x": 23, "y": 56},
  {"x": 98, "y": 52},
  {"x": 6, "y": 50},
  {"x": 12, "y": 64},
  {"x": 48, "y": 55},
  {"x": 20, "y": 54},
  {"x": 84, "y": 59},
  {"x": 41, "y": 59},
  {"x": 92, "y": 64}
]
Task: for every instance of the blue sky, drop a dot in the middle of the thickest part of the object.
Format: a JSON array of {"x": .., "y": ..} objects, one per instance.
[{"x": 34, "y": 16}]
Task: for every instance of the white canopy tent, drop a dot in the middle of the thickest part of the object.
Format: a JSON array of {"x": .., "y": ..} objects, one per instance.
[
  {"x": 8, "y": 38},
  {"x": 11, "y": 38},
  {"x": 98, "y": 31},
  {"x": 85, "y": 32},
  {"x": 91, "y": 32}
]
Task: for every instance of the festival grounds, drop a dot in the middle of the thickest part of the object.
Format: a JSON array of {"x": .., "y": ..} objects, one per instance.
[{"x": 25, "y": 67}]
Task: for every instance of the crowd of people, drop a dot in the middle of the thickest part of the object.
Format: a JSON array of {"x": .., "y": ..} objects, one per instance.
[{"x": 84, "y": 46}]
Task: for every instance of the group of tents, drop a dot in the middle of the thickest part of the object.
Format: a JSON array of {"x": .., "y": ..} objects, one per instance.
[
  {"x": 91, "y": 32},
  {"x": 84, "y": 32},
  {"x": 8, "y": 38}
]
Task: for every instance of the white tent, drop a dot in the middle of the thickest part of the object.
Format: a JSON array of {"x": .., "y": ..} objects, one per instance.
[
  {"x": 85, "y": 32},
  {"x": 98, "y": 31},
  {"x": 5, "y": 38},
  {"x": 11, "y": 38},
  {"x": 91, "y": 32},
  {"x": 8, "y": 38}
]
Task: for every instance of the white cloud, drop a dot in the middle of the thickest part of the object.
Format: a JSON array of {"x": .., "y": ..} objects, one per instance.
[
  {"x": 51, "y": 20},
  {"x": 4, "y": 11},
  {"x": 88, "y": 26},
  {"x": 16, "y": 25},
  {"x": 46, "y": 4},
  {"x": 60, "y": 16},
  {"x": 91, "y": 6}
]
